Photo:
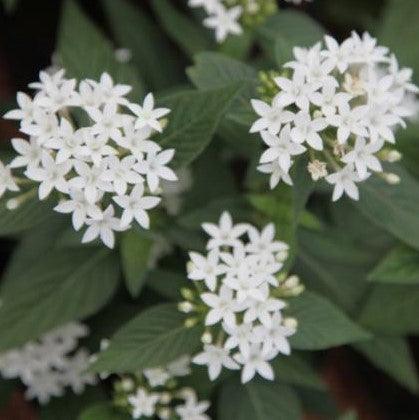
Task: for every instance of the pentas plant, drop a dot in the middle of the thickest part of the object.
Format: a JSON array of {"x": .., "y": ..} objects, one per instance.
[
  {"x": 340, "y": 104},
  {"x": 50, "y": 364},
  {"x": 157, "y": 393},
  {"x": 239, "y": 296},
  {"x": 229, "y": 17},
  {"x": 93, "y": 148}
]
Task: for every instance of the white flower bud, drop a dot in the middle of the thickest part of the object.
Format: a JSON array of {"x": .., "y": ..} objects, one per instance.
[
  {"x": 206, "y": 338},
  {"x": 393, "y": 156},
  {"x": 392, "y": 179},
  {"x": 292, "y": 282},
  {"x": 185, "y": 307},
  {"x": 165, "y": 398},
  {"x": 12, "y": 204},
  {"x": 282, "y": 256},
  {"x": 164, "y": 413},
  {"x": 123, "y": 55},
  {"x": 290, "y": 323},
  {"x": 127, "y": 384}
]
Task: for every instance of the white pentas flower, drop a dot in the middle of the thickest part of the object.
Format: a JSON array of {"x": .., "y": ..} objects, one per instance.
[
  {"x": 230, "y": 17},
  {"x": 48, "y": 365},
  {"x": 240, "y": 298},
  {"x": 339, "y": 103},
  {"x": 157, "y": 393},
  {"x": 111, "y": 157}
]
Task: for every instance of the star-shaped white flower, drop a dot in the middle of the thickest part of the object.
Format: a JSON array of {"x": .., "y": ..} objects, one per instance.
[
  {"x": 106, "y": 122},
  {"x": 206, "y": 269},
  {"x": 110, "y": 93},
  {"x": 6, "y": 180},
  {"x": 143, "y": 403},
  {"x": 307, "y": 130},
  {"x": 30, "y": 153},
  {"x": 223, "y": 306},
  {"x": 276, "y": 172},
  {"x": 225, "y": 21},
  {"x": 192, "y": 409},
  {"x": 344, "y": 181}
]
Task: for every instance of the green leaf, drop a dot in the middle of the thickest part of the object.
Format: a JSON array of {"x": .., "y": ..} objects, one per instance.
[
  {"x": 190, "y": 36},
  {"x": 167, "y": 283},
  {"x": 10, "y": 5},
  {"x": 85, "y": 52},
  {"x": 393, "y": 207},
  {"x": 103, "y": 411},
  {"x": 61, "y": 286},
  {"x": 154, "y": 338},
  {"x": 321, "y": 324},
  {"x": 258, "y": 400},
  {"x": 399, "y": 31},
  {"x": 399, "y": 266},
  {"x": 294, "y": 370},
  {"x": 152, "y": 53},
  {"x": 288, "y": 29},
  {"x": 392, "y": 310},
  {"x": 392, "y": 355},
  {"x": 193, "y": 121},
  {"x": 29, "y": 214},
  {"x": 135, "y": 256}
]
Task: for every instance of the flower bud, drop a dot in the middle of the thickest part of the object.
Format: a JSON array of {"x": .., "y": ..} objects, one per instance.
[
  {"x": 190, "y": 322},
  {"x": 12, "y": 204},
  {"x": 127, "y": 384},
  {"x": 185, "y": 307},
  {"x": 206, "y": 338},
  {"x": 282, "y": 256},
  {"x": 392, "y": 179},
  {"x": 292, "y": 282},
  {"x": 164, "y": 413},
  {"x": 290, "y": 323},
  {"x": 187, "y": 293},
  {"x": 393, "y": 156},
  {"x": 165, "y": 398}
]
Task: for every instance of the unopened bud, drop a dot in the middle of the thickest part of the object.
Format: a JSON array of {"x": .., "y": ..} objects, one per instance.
[
  {"x": 186, "y": 393},
  {"x": 282, "y": 256},
  {"x": 189, "y": 266},
  {"x": 12, "y": 204},
  {"x": 317, "y": 114},
  {"x": 164, "y": 413},
  {"x": 392, "y": 179},
  {"x": 165, "y": 397},
  {"x": 206, "y": 338},
  {"x": 187, "y": 293},
  {"x": 163, "y": 123},
  {"x": 127, "y": 384},
  {"x": 292, "y": 282},
  {"x": 191, "y": 322},
  {"x": 185, "y": 307},
  {"x": 290, "y": 323},
  {"x": 393, "y": 156}
]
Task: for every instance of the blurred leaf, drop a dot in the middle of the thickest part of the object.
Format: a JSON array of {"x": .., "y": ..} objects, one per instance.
[
  {"x": 288, "y": 29},
  {"x": 321, "y": 324},
  {"x": 190, "y": 36},
  {"x": 294, "y": 370},
  {"x": 61, "y": 286},
  {"x": 152, "y": 54},
  {"x": 237, "y": 46},
  {"x": 29, "y": 214},
  {"x": 135, "y": 256},
  {"x": 154, "y": 338},
  {"x": 392, "y": 355},
  {"x": 193, "y": 121},
  {"x": 10, "y": 5},
  {"x": 349, "y": 415},
  {"x": 70, "y": 406},
  {"x": 399, "y": 31},
  {"x": 399, "y": 266},
  {"x": 102, "y": 411},
  {"x": 86, "y": 53},
  {"x": 395, "y": 208},
  {"x": 392, "y": 310},
  {"x": 258, "y": 400},
  {"x": 167, "y": 283}
]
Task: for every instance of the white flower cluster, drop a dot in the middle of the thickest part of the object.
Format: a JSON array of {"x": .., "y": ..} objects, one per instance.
[
  {"x": 341, "y": 105},
  {"x": 50, "y": 364},
  {"x": 109, "y": 158},
  {"x": 154, "y": 392},
  {"x": 239, "y": 285}
]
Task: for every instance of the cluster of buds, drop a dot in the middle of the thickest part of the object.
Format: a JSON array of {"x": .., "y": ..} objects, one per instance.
[
  {"x": 157, "y": 393},
  {"x": 240, "y": 295},
  {"x": 341, "y": 105},
  {"x": 87, "y": 150}
]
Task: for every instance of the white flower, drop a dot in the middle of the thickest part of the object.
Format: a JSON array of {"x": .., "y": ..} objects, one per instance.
[
  {"x": 76, "y": 375},
  {"x": 206, "y": 269},
  {"x": 193, "y": 409},
  {"x": 246, "y": 286},
  {"x": 277, "y": 173},
  {"x": 107, "y": 122},
  {"x": 6, "y": 180},
  {"x": 209, "y": 5},
  {"x": 147, "y": 116},
  {"x": 224, "y": 234},
  {"x": 156, "y": 376},
  {"x": 344, "y": 181},
  {"x": 307, "y": 130},
  {"x": 110, "y": 93},
  {"x": 272, "y": 117},
  {"x": 30, "y": 153},
  {"x": 256, "y": 361},
  {"x": 338, "y": 55},
  {"x": 180, "y": 366},
  {"x": 154, "y": 167},
  {"x": 262, "y": 311},
  {"x": 215, "y": 358},
  {"x": 57, "y": 96},
  {"x": 135, "y": 205},
  {"x": 349, "y": 121},
  {"x": 281, "y": 148},
  {"x": 47, "y": 385},
  {"x": 239, "y": 335},
  {"x": 51, "y": 175},
  {"x": 362, "y": 156},
  {"x": 380, "y": 123},
  {"x": 263, "y": 243},
  {"x": 328, "y": 100},
  {"x": 80, "y": 208},
  {"x": 44, "y": 126},
  {"x": 103, "y": 228},
  {"x": 143, "y": 403},
  {"x": 120, "y": 173},
  {"x": 96, "y": 147},
  {"x": 26, "y": 110},
  {"x": 88, "y": 95},
  {"x": 223, "y": 306},
  {"x": 225, "y": 21},
  {"x": 137, "y": 141}
]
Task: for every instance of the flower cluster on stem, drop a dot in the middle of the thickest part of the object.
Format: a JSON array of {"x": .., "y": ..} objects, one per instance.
[
  {"x": 340, "y": 104},
  {"x": 48, "y": 365},
  {"x": 240, "y": 297},
  {"x": 94, "y": 149}
]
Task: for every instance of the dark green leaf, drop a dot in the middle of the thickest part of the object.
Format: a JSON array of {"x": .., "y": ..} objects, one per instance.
[
  {"x": 85, "y": 52},
  {"x": 135, "y": 256},
  {"x": 61, "y": 286},
  {"x": 392, "y": 355},
  {"x": 193, "y": 121},
  {"x": 167, "y": 283},
  {"x": 321, "y": 324},
  {"x": 399, "y": 266},
  {"x": 155, "y": 337},
  {"x": 103, "y": 411},
  {"x": 258, "y": 400}
]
